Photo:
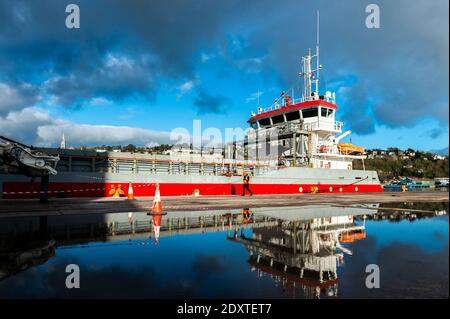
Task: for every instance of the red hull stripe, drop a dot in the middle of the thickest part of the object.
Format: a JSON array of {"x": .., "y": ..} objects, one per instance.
[
  {"x": 292, "y": 107},
  {"x": 13, "y": 190},
  {"x": 293, "y": 278}
]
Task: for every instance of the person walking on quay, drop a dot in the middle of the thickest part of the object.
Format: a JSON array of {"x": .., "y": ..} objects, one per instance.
[{"x": 246, "y": 181}]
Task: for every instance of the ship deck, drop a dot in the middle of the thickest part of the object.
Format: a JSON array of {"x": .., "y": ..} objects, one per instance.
[{"x": 66, "y": 206}]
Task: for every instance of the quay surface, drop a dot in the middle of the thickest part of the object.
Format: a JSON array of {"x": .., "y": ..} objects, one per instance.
[{"x": 32, "y": 207}]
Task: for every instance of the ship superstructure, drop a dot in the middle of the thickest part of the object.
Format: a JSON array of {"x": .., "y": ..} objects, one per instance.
[
  {"x": 304, "y": 253},
  {"x": 306, "y": 130}
]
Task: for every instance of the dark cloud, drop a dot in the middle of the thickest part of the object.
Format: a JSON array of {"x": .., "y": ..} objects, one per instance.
[
  {"x": 360, "y": 119},
  {"x": 435, "y": 133},
  {"x": 94, "y": 282},
  {"x": 159, "y": 38},
  {"x": 207, "y": 103},
  {"x": 400, "y": 70},
  {"x": 402, "y": 271},
  {"x": 433, "y": 283},
  {"x": 439, "y": 236},
  {"x": 117, "y": 77},
  {"x": 207, "y": 265},
  {"x": 145, "y": 278}
]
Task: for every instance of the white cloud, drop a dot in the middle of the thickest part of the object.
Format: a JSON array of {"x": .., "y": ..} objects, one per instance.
[
  {"x": 17, "y": 97},
  {"x": 22, "y": 125},
  {"x": 206, "y": 57},
  {"x": 185, "y": 88},
  {"x": 253, "y": 97},
  {"x": 129, "y": 112},
  {"x": 99, "y": 101},
  {"x": 250, "y": 65},
  {"x": 113, "y": 61},
  {"x": 37, "y": 127}
]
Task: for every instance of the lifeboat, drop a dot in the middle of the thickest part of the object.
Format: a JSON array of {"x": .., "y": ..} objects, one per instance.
[
  {"x": 351, "y": 237},
  {"x": 350, "y": 149}
]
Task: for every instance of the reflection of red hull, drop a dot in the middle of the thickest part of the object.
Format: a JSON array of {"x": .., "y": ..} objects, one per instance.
[
  {"x": 58, "y": 189},
  {"x": 295, "y": 278}
]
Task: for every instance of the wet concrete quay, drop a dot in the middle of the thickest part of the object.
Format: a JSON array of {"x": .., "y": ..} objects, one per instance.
[{"x": 32, "y": 207}]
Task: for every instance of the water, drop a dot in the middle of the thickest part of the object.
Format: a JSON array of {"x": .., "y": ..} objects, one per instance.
[
  {"x": 234, "y": 253},
  {"x": 415, "y": 189}
]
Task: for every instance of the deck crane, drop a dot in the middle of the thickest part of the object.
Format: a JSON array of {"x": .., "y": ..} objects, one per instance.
[{"x": 17, "y": 158}]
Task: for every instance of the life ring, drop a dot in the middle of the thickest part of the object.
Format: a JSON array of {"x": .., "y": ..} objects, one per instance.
[{"x": 323, "y": 148}]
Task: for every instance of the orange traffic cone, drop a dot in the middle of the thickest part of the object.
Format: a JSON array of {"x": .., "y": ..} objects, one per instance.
[
  {"x": 156, "y": 218},
  {"x": 157, "y": 205},
  {"x": 130, "y": 191}
]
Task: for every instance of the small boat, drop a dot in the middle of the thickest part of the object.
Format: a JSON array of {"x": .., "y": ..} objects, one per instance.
[
  {"x": 441, "y": 181},
  {"x": 409, "y": 183},
  {"x": 423, "y": 183}
]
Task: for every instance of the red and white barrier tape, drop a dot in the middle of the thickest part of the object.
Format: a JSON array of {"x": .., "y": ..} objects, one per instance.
[
  {"x": 140, "y": 243},
  {"x": 73, "y": 190}
]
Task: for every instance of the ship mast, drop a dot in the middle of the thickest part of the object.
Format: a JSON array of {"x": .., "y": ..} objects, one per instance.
[
  {"x": 318, "y": 67},
  {"x": 311, "y": 76}
]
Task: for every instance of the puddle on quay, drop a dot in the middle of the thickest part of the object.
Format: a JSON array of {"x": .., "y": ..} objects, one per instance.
[{"x": 291, "y": 252}]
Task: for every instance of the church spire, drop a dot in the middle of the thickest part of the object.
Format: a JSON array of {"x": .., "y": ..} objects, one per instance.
[{"x": 63, "y": 142}]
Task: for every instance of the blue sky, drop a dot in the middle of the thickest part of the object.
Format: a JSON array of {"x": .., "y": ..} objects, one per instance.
[{"x": 136, "y": 70}]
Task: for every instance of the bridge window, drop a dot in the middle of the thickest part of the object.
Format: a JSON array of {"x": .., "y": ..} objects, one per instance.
[
  {"x": 264, "y": 122},
  {"x": 278, "y": 119},
  {"x": 254, "y": 125},
  {"x": 326, "y": 112},
  {"x": 311, "y": 112},
  {"x": 292, "y": 116}
]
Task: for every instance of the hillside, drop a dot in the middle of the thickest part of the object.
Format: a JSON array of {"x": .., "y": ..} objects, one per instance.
[{"x": 420, "y": 164}]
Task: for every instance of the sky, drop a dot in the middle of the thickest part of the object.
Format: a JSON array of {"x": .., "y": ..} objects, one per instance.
[{"x": 136, "y": 70}]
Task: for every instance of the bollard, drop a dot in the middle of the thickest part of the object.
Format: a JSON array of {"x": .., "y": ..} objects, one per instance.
[{"x": 45, "y": 180}]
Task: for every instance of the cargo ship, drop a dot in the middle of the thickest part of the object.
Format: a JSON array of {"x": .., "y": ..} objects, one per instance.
[{"x": 293, "y": 146}]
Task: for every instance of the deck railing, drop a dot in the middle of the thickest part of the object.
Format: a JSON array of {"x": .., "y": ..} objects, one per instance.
[{"x": 319, "y": 125}]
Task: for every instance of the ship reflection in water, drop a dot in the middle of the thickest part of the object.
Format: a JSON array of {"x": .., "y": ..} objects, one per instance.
[
  {"x": 303, "y": 253},
  {"x": 292, "y": 252}
]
